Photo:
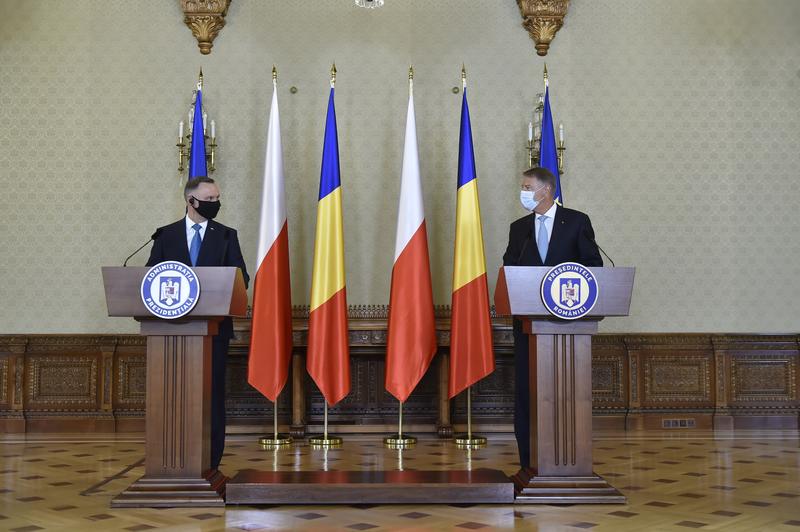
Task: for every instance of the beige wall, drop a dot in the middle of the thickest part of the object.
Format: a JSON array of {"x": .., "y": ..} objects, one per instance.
[{"x": 682, "y": 121}]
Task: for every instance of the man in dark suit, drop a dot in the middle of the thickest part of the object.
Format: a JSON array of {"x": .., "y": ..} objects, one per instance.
[
  {"x": 197, "y": 240},
  {"x": 550, "y": 235}
]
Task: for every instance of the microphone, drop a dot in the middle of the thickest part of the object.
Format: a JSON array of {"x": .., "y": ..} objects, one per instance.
[
  {"x": 527, "y": 237},
  {"x": 603, "y": 252},
  {"x": 152, "y": 237}
]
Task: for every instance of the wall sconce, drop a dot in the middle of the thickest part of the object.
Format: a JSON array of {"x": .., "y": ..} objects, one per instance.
[{"x": 184, "y": 144}]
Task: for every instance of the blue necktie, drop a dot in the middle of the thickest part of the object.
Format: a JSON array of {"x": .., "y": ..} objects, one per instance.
[
  {"x": 194, "y": 249},
  {"x": 541, "y": 239}
]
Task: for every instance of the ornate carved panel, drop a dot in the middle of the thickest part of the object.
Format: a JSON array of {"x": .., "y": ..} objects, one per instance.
[
  {"x": 763, "y": 378},
  {"x": 4, "y": 371},
  {"x": 677, "y": 378},
  {"x": 131, "y": 381},
  {"x": 492, "y": 397},
  {"x": 54, "y": 382},
  {"x": 243, "y": 402},
  {"x": 369, "y": 403},
  {"x": 608, "y": 387}
]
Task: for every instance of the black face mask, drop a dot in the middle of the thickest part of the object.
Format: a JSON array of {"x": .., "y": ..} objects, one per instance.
[{"x": 207, "y": 209}]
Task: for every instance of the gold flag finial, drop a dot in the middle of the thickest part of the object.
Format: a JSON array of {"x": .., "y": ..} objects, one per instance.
[
  {"x": 333, "y": 74},
  {"x": 545, "y": 76},
  {"x": 411, "y": 73},
  {"x": 274, "y": 74},
  {"x": 200, "y": 80},
  {"x": 463, "y": 76}
]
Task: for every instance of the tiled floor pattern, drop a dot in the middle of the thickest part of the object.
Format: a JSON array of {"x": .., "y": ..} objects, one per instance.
[{"x": 732, "y": 481}]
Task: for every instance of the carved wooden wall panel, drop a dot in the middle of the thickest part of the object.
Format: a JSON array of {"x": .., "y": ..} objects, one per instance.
[
  {"x": 245, "y": 403},
  {"x": 677, "y": 378},
  {"x": 61, "y": 382},
  {"x": 609, "y": 373},
  {"x": 738, "y": 380},
  {"x": 4, "y": 382},
  {"x": 130, "y": 381},
  {"x": 492, "y": 397},
  {"x": 369, "y": 403}
]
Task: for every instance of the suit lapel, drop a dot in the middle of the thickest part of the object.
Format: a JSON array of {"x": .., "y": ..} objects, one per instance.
[
  {"x": 212, "y": 241},
  {"x": 558, "y": 221}
]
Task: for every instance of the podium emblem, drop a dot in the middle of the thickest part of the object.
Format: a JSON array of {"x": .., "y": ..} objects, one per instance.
[
  {"x": 569, "y": 291},
  {"x": 170, "y": 290}
]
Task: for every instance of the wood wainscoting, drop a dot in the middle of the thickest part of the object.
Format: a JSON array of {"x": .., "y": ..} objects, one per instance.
[{"x": 96, "y": 383}]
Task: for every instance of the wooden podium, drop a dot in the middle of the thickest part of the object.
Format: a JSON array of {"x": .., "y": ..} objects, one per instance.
[
  {"x": 178, "y": 423},
  {"x": 561, "y": 385}
]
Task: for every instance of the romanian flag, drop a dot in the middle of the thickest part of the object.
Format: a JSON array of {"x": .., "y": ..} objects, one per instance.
[
  {"x": 271, "y": 338},
  {"x": 328, "y": 360},
  {"x": 412, "y": 330},
  {"x": 197, "y": 157},
  {"x": 471, "y": 353}
]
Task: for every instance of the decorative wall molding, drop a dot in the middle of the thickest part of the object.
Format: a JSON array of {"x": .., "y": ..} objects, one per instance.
[
  {"x": 543, "y": 19},
  {"x": 205, "y": 18},
  {"x": 97, "y": 382}
]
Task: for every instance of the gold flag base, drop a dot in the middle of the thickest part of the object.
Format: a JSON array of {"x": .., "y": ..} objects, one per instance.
[
  {"x": 469, "y": 441},
  {"x": 399, "y": 441},
  {"x": 274, "y": 441},
  {"x": 321, "y": 440}
]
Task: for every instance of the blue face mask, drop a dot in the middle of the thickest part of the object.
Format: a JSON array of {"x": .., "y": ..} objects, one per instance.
[{"x": 528, "y": 198}]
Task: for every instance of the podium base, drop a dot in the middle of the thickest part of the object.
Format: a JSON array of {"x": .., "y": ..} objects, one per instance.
[
  {"x": 205, "y": 492},
  {"x": 532, "y": 489}
]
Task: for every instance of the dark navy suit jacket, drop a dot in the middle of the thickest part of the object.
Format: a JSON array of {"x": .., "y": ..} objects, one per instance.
[
  {"x": 572, "y": 241},
  {"x": 220, "y": 247}
]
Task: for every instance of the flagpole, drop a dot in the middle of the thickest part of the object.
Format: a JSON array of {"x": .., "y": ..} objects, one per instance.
[
  {"x": 325, "y": 440},
  {"x": 275, "y": 440},
  {"x": 398, "y": 440},
  {"x": 468, "y": 440}
]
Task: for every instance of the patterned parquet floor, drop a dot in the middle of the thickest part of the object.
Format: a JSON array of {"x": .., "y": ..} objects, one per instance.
[{"x": 674, "y": 481}]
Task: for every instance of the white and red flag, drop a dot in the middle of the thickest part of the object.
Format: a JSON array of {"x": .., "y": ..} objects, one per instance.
[
  {"x": 271, "y": 337},
  {"x": 411, "y": 344}
]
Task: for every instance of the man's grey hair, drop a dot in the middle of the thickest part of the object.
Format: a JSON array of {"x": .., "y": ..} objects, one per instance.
[{"x": 543, "y": 176}]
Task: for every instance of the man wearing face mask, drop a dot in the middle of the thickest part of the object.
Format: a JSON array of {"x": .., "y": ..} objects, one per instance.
[
  {"x": 197, "y": 240},
  {"x": 550, "y": 235}
]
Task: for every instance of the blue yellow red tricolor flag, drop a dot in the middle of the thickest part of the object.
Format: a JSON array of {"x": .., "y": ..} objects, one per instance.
[
  {"x": 328, "y": 359},
  {"x": 471, "y": 353},
  {"x": 197, "y": 157},
  {"x": 548, "y": 155}
]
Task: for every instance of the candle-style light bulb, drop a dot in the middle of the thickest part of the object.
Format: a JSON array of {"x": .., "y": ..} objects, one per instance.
[
  {"x": 205, "y": 120},
  {"x": 213, "y": 129},
  {"x": 561, "y": 132},
  {"x": 530, "y": 131},
  {"x": 180, "y": 130}
]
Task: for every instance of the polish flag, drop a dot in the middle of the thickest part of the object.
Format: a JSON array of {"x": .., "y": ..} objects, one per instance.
[
  {"x": 412, "y": 334},
  {"x": 271, "y": 336}
]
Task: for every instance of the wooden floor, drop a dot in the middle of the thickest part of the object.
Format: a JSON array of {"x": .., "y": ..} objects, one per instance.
[{"x": 673, "y": 481}]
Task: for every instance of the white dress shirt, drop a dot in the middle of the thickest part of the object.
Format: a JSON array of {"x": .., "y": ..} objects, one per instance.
[
  {"x": 190, "y": 231},
  {"x": 548, "y": 223}
]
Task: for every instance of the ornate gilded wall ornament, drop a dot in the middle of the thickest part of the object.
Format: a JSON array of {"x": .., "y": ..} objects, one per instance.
[
  {"x": 542, "y": 19},
  {"x": 205, "y": 18}
]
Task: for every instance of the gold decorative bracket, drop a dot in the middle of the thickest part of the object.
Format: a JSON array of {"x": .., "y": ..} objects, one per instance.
[
  {"x": 205, "y": 18},
  {"x": 542, "y": 19}
]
